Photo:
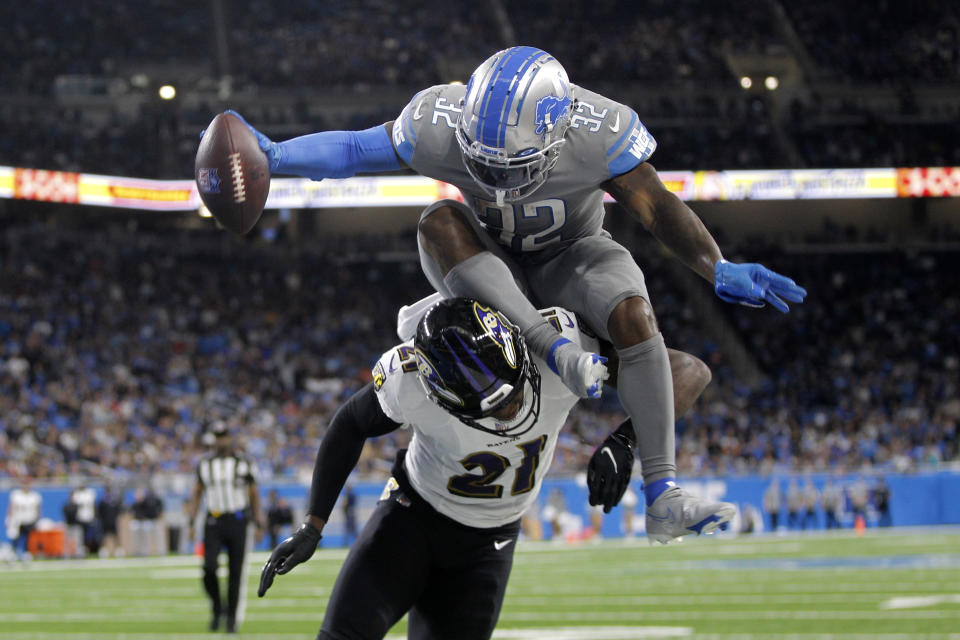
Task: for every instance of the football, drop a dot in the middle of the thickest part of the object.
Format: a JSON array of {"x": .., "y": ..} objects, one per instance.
[{"x": 232, "y": 173}]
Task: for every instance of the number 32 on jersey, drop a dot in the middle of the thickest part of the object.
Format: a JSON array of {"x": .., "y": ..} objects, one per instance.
[{"x": 524, "y": 227}]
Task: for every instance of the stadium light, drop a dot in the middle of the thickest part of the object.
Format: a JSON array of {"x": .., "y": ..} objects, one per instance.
[
  {"x": 771, "y": 82},
  {"x": 167, "y": 92},
  {"x": 746, "y": 82}
]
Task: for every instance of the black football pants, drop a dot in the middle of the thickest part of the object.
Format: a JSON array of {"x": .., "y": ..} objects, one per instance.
[
  {"x": 451, "y": 578},
  {"x": 227, "y": 532}
]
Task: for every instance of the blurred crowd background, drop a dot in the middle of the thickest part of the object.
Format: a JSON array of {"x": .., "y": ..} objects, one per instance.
[
  {"x": 122, "y": 338},
  {"x": 118, "y": 345}
]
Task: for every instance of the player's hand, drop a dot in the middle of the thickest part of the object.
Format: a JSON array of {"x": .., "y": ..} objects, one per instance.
[
  {"x": 296, "y": 549},
  {"x": 754, "y": 285},
  {"x": 595, "y": 367},
  {"x": 268, "y": 146},
  {"x": 581, "y": 371},
  {"x": 610, "y": 468}
]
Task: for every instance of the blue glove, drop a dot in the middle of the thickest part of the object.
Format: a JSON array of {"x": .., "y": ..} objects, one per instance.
[
  {"x": 268, "y": 146},
  {"x": 754, "y": 285}
]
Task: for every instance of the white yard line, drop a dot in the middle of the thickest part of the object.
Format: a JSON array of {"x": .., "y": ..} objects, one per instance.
[
  {"x": 591, "y": 617},
  {"x": 551, "y": 633},
  {"x": 913, "y": 602}
]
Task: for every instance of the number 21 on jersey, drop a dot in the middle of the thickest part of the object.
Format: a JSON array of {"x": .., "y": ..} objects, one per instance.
[{"x": 491, "y": 466}]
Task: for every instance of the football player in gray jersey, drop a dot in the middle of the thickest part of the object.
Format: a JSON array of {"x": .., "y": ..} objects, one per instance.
[
  {"x": 533, "y": 154},
  {"x": 484, "y": 416}
]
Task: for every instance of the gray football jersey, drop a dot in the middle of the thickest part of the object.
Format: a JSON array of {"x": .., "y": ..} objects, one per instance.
[
  {"x": 605, "y": 139},
  {"x": 476, "y": 478}
]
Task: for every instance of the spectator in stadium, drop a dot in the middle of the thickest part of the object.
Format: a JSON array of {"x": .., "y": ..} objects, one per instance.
[
  {"x": 795, "y": 504},
  {"x": 628, "y": 504},
  {"x": 465, "y": 385},
  {"x": 23, "y": 511},
  {"x": 279, "y": 516},
  {"x": 555, "y": 513},
  {"x": 79, "y": 513},
  {"x": 832, "y": 504},
  {"x": 109, "y": 509},
  {"x": 811, "y": 503},
  {"x": 147, "y": 524},
  {"x": 227, "y": 486},
  {"x": 881, "y": 502},
  {"x": 773, "y": 503},
  {"x": 859, "y": 495},
  {"x": 349, "y": 515}
]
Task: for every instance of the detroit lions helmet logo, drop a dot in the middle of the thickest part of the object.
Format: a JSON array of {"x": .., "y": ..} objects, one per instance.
[
  {"x": 551, "y": 110},
  {"x": 497, "y": 329}
]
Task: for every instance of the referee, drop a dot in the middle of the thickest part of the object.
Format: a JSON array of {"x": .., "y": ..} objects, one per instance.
[{"x": 227, "y": 484}]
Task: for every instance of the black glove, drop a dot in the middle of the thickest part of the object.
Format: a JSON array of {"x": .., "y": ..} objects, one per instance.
[
  {"x": 610, "y": 467},
  {"x": 296, "y": 549}
]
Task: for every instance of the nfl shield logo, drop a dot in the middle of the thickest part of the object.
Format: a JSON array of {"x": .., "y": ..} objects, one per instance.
[{"x": 208, "y": 181}]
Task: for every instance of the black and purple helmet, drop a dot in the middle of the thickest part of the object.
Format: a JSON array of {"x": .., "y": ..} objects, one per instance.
[{"x": 474, "y": 363}]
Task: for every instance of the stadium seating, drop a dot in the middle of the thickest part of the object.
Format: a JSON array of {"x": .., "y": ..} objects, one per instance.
[
  {"x": 145, "y": 336},
  {"x": 676, "y": 64}
]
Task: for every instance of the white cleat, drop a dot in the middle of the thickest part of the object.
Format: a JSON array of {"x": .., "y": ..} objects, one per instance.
[{"x": 675, "y": 513}]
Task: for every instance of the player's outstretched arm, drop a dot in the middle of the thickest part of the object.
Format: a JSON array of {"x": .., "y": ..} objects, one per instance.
[
  {"x": 641, "y": 192},
  {"x": 360, "y": 418},
  {"x": 330, "y": 154}
]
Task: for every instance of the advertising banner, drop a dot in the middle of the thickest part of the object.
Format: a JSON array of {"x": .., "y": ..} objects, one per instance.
[{"x": 405, "y": 191}]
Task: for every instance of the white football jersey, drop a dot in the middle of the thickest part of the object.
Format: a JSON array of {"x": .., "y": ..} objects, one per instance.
[
  {"x": 24, "y": 507},
  {"x": 476, "y": 478}
]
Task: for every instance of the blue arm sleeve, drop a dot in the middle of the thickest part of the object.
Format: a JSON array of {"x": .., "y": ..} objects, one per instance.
[{"x": 337, "y": 154}]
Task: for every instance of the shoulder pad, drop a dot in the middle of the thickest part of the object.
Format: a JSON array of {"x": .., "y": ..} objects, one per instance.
[
  {"x": 409, "y": 315},
  {"x": 437, "y": 106},
  {"x": 568, "y": 325},
  {"x": 390, "y": 377},
  {"x": 614, "y": 128}
]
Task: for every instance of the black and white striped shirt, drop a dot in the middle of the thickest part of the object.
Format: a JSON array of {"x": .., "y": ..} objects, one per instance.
[{"x": 225, "y": 481}]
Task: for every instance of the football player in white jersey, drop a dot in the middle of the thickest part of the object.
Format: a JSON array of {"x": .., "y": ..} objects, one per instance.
[
  {"x": 484, "y": 416},
  {"x": 533, "y": 154}
]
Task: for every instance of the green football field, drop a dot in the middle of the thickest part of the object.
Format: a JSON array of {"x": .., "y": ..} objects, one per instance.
[{"x": 902, "y": 585}]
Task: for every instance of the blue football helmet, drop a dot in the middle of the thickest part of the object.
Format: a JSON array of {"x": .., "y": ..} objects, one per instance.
[
  {"x": 474, "y": 364},
  {"x": 514, "y": 116}
]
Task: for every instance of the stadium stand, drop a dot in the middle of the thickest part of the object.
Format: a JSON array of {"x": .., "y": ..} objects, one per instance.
[
  {"x": 144, "y": 337},
  {"x": 679, "y": 66}
]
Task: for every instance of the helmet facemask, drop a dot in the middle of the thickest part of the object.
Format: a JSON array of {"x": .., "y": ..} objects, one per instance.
[
  {"x": 526, "y": 414},
  {"x": 504, "y": 178}
]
